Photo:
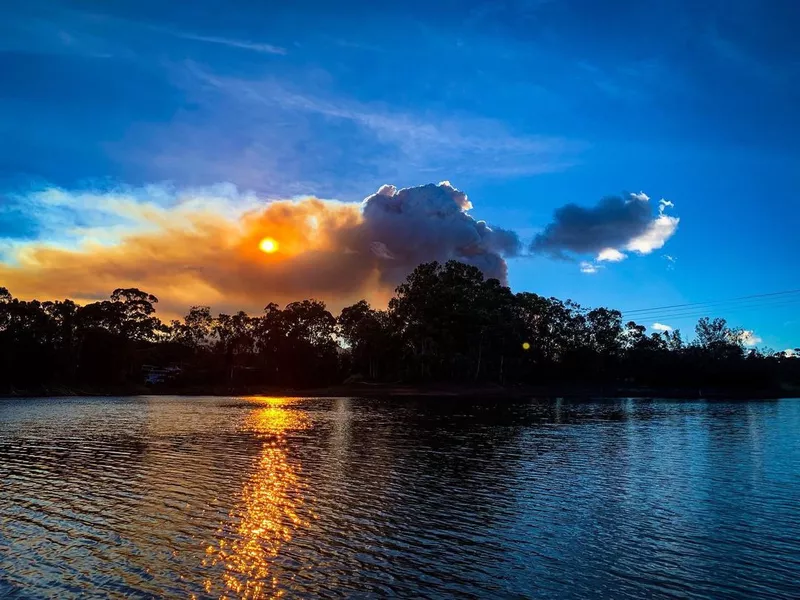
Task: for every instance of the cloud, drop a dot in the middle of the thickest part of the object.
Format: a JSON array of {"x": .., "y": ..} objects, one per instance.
[
  {"x": 430, "y": 222},
  {"x": 657, "y": 232},
  {"x": 748, "y": 337},
  {"x": 380, "y": 250},
  {"x": 589, "y": 268},
  {"x": 605, "y": 230},
  {"x": 190, "y": 247},
  {"x": 660, "y": 327},
  {"x": 611, "y": 255},
  {"x": 241, "y": 44},
  {"x": 417, "y": 142},
  {"x": 655, "y": 236},
  {"x": 747, "y": 61}
]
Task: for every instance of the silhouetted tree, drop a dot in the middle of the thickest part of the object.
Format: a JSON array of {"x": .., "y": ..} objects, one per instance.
[
  {"x": 446, "y": 323},
  {"x": 370, "y": 337}
]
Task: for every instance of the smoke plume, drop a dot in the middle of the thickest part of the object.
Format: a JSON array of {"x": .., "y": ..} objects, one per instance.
[
  {"x": 189, "y": 252},
  {"x": 413, "y": 225}
]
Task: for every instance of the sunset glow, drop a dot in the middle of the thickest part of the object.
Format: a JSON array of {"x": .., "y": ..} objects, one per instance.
[
  {"x": 268, "y": 245},
  {"x": 268, "y": 512}
]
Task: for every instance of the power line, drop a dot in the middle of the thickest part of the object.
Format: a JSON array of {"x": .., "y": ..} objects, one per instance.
[
  {"x": 711, "y": 302},
  {"x": 773, "y": 303},
  {"x": 705, "y": 312},
  {"x": 697, "y": 305}
]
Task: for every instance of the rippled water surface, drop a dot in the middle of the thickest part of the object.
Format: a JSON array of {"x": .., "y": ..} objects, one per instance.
[{"x": 263, "y": 497}]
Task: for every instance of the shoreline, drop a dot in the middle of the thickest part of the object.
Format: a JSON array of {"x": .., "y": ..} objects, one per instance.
[{"x": 431, "y": 391}]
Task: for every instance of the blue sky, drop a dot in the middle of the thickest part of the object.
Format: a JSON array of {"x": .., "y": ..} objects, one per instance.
[{"x": 525, "y": 105}]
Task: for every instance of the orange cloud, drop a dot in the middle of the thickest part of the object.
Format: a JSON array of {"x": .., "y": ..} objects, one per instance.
[
  {"x": 199, "y": 251},
  {"x": 204, "y": 257}
]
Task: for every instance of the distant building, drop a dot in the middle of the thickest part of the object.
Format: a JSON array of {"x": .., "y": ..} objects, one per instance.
[{"x": 154, "y": 375}]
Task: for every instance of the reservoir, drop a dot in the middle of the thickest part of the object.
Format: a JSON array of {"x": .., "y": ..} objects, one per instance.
[{"x": 263, "y": 497}]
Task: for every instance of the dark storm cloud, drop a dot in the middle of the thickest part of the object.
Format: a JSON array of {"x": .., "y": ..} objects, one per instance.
[{"x": 613, "y": 223}]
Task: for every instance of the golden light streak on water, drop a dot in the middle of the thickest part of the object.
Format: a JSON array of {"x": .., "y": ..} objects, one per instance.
[{"x": 267, "y": 514}]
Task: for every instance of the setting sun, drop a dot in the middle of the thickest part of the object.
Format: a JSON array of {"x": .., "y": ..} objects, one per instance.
[{"x": 268, "y": 245}]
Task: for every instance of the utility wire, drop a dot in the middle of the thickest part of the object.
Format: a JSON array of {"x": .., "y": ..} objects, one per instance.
[
  {"x": 756, "y": 298},
  {"x": 697, "y": 315},
  {"x": 704, "y": 311}
]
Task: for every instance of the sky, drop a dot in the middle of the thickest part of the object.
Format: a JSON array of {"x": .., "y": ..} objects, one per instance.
[{"x": 631, "y": 154}]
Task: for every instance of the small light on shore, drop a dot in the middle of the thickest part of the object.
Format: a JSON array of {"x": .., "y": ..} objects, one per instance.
[{"x": 526, "y": 346}]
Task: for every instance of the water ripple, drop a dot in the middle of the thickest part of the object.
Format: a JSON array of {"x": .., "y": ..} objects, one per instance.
[{"x": 269, "y": 497}]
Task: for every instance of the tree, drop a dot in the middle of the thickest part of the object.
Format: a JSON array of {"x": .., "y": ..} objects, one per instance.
[
  {"x": 445, "y": 323},
  {"x": 136, "y": 309},
  {"x": 310, "y": 352},
  {"x": 555, "y": 332},
  {"x": 720, "y": 341},
  {"x": 674, "y": 340},
  {"x": 235, "y": 340},
  {"x": 439, "y": 319},
  {"x": 710, "y": 332},
  {"x": 196, "y": 328},
  {"x": 605, "y": 330}
]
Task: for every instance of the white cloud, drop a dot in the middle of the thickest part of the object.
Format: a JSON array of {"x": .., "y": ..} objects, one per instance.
[
  {"x": 660, "y": 327},
  {"x": 749, "y": 338},
  {"x": 70, "y": 218},
  {"x": 611, "y": 255},
  {"x": 241, "y": 44},
  {"x": 590, "y": 268},
  {"x": 641, "y": 196},
  {"x": 789, "y": 353},
  {"x": 431, "y": 143},
  {"x": 656, "y": 236}
]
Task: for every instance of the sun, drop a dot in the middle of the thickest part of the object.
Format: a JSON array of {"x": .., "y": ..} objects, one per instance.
[{"x": 268, "y": 245}]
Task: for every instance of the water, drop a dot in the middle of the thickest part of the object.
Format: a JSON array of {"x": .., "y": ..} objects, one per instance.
[{"x": 262, "y": 497}]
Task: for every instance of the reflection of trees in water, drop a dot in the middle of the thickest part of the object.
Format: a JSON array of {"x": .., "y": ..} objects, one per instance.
[
  {"x": 413, "y": 473},
  {"x": 267, "y": 514},
  {"x": 443, "y": 463},
  {"x": 76, "y": 438}
]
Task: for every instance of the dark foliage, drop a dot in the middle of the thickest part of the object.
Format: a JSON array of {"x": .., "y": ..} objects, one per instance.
[{"x": 446, "y": 323}]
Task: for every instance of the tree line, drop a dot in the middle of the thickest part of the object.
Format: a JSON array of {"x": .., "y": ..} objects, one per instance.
[{"x": 445, "y": 323}]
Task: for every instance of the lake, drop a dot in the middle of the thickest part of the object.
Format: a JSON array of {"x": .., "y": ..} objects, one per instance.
[{"x": 302, "y": 497}]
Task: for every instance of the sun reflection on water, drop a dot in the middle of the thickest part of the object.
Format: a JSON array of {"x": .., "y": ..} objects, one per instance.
[{"x": 267, "y": 514}]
